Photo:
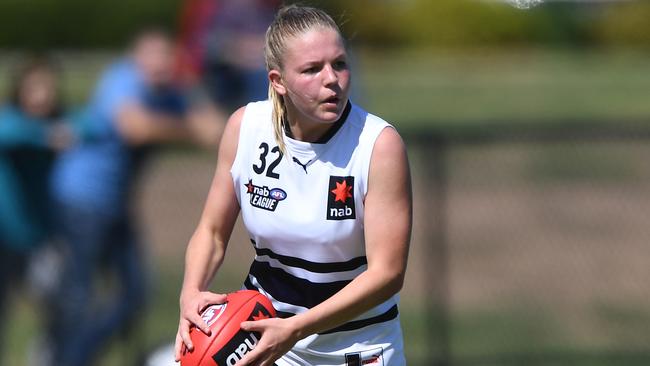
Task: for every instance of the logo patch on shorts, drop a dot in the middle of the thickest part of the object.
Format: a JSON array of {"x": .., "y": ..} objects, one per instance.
[
  {"x": 264, "y": 197},
  {"x": 340, "y": 198},
  {"x": 371, "y": 357}
]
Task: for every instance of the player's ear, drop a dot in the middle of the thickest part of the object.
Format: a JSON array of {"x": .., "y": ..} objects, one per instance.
[{"x": 275, "y": 78}]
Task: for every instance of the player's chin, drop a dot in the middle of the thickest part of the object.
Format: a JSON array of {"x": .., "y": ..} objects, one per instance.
[
  {"x": 327, "y": 118},
  {"x": 330, "y": 113}
]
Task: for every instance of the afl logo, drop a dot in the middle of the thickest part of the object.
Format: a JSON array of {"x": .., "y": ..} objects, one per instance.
[
  {"x": 212, "y": 313},
  {"x": 278, "y": 194},
  {"x": 264, "y": 197}
]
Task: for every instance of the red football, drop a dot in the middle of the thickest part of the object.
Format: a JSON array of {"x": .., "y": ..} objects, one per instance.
[{"x": 228, "y": 343}]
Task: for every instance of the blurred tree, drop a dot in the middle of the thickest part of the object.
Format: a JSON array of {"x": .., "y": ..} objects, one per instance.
[
  {"x": 439, "y": 23},
  {"x": 459, "y": 23},
  {"x": 625, "y": 24}
]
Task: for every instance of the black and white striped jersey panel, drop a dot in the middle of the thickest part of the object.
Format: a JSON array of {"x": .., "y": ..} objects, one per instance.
[{"x": 296, "y": 285}]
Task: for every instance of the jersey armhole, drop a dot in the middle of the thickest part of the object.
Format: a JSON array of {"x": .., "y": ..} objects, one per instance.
[
  {"x": 234, "y": 169},
  {"x": 366, "y": 164}
]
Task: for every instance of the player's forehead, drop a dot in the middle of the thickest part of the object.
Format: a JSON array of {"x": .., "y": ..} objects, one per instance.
[{"x": 314, "y": 45}]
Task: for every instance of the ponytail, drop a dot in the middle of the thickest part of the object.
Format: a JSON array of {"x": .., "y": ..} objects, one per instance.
[{"x": 278, "y": 118}]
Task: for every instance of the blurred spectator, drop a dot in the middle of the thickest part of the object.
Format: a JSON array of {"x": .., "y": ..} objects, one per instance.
[
  {"x": 135, "y": 106},
  {"x": 222, "y": 40},
  {"x": 29, "y": 135}
]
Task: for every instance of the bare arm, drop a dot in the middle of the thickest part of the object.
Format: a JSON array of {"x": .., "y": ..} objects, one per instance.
[
  {"x": 207, "y": 247},
  {"x": 139, "y": 126},
  {"x": 388, "y": 218}
]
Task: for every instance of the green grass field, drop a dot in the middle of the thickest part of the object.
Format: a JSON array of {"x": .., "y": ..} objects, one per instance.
[{"x": 440, "y": 89}]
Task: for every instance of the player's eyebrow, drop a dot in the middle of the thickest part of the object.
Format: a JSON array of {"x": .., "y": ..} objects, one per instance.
[{"x": 315, "y": 62}]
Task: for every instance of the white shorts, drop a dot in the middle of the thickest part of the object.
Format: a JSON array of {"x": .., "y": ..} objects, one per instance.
[{"x": 376, "y": 345}]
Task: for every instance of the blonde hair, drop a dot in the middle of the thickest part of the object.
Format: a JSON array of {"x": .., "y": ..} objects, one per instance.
[{"x": 290, "y": 21}]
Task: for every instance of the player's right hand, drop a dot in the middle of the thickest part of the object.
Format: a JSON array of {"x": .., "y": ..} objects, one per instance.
[{"x": 192, "y": 304}]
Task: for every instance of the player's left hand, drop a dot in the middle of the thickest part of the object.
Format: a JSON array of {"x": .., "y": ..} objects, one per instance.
[{"x": 278, "y": 337}]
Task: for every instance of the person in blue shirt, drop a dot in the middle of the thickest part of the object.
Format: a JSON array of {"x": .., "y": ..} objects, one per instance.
[
  {"x": 135, "y": 106},
  {"x": 30, "y": 135}
]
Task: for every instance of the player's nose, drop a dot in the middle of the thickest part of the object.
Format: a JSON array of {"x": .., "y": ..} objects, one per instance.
[{"x": 329, "y": 75}]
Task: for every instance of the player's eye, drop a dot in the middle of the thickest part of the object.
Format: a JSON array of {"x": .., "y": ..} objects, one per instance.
[
  {"x": 311, "y": 70},
  {"x": 340, "y": 65}
]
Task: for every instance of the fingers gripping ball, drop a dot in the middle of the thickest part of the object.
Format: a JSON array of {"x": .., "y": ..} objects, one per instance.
[{"x": 228, "y": 343}]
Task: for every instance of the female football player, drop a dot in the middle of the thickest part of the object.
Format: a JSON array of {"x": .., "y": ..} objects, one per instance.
[{"x": 324, "y": 191}]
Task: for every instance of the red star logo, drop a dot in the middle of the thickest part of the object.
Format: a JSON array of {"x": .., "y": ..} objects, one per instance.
[
  {"x": 342, "y": 191},
  {"x": 249, "y": 186},
  {"x": 259, "y": 316}
]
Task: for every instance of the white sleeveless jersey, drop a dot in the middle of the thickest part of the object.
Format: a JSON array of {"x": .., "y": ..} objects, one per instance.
[{"x": 304, "y": 214}]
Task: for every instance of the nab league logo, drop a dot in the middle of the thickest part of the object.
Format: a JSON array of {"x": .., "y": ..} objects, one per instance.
[
  {"x": 263, "y": 197},
  {"x": 340, "y": 198}
]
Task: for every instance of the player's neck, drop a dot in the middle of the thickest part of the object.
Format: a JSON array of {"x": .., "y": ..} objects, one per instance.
[
  {"x": 302, "y": 128},
  {"x": 307, "y": 131}
]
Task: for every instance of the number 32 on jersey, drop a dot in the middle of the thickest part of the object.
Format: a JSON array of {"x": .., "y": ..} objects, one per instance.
[{"x": 276, "y": 157}]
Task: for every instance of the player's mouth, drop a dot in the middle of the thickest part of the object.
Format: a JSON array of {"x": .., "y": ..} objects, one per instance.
[{"x": 333, "y": 100}]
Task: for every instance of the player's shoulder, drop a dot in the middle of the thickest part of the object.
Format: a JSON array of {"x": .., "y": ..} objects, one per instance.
[
  {"x": 249, "y": 113},
  {"x": 375, "y": 130},
  {"x": 387, "y": 140},
  {"x": 364, "y": 120},
  {"x": 258, "y": 110},
  {"x": 230, "y": 137},
  {"x": 233, "y": 125},
  {"x": 389, "y": 156}
]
